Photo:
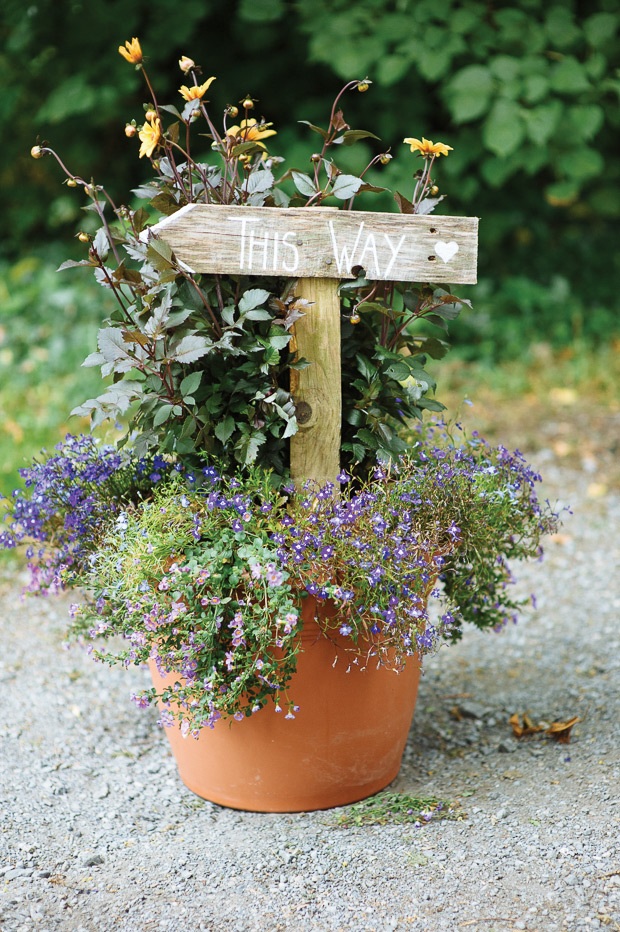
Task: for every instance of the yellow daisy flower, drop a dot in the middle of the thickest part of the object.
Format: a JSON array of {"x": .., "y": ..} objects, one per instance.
[
  {"x": 195, "y": 92},
  {"x": 426, "y": 147},
  {"x": 131, "y": 51},
  {"x": 251, "y": 131},
  {"x": 150, "y": 136}
]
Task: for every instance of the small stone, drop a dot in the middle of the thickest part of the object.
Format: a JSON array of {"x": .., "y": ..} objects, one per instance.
[
  {"x": 471, "y": 710},
  {"x": 506, "y": 748},
  {"x": 44, "y": 874},
  {"x": 92, "y": 860},
  {"x": 102, "y": 791}
]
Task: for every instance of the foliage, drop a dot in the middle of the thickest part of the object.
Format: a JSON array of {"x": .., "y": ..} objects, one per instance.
[
  {"x": 527, "y": 96},
  {"x": 206, "y": 575},
  {"x": 532, "y": 95},
  {"x": 47, "y": 325},
  {"x": 203, "y": 362}
]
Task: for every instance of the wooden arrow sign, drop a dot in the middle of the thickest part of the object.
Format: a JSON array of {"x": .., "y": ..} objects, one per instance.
[
  {"x": 319, "y": 242},
  {"x": 320, "y": 246}
]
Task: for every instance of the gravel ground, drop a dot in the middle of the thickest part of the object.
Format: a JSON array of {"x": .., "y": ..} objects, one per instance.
[{"x": 98, "y": 832}]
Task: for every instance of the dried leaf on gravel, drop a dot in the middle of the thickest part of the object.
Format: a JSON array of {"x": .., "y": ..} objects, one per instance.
[
  {"x": 560, "y": 731},
  {"x": 527, "y": 728}
]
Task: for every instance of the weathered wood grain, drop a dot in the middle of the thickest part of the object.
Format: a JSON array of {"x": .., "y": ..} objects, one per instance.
[
  {"x": 315, "y": 448},
  {"x": 318, "y": 242}
]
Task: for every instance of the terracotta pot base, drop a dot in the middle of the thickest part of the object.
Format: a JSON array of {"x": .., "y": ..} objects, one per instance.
[{"x": 345, "y": 743}]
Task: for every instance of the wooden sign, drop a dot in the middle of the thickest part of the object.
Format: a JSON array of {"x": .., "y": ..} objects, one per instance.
[
  {"x": 320, "y": 246},
  {"x": 320, "y": 242}
]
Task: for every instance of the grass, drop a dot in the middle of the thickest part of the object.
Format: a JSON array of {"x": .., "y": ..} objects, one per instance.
[{"x": 395, "y": 808}]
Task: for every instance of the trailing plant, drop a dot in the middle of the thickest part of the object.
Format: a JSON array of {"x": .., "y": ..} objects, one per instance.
[
  {"x": 201, "y": 363},
  {"x": 206, "y": 575}
]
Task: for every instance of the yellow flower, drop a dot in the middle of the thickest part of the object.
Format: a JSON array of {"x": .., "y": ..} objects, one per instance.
[
  {"x": 149, "y": 136},
  {"x": 131, "y": 51},
  {"x": 196, "y": 92},
  {"x": 427, "y": 148},
  {"x": 251, "y": 131}
]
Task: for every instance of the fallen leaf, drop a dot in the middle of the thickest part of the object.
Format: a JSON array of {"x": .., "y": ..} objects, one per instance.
[
  {"x": 527, "y": 728},
  {"x": 512, "y": 774},
  {"x": 455, "y": 712},
  {"x": 560, "y": 731}
]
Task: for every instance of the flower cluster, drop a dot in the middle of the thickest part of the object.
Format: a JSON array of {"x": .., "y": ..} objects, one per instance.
[
  {"x": 211, "y": 580},
  {"x": 68, "y": 498}
]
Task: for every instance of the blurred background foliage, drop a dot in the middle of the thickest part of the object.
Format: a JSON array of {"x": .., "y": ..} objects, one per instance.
[{"x": 526, "y": 92}]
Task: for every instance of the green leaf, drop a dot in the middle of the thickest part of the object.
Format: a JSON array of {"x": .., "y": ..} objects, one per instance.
[
  {"x": 431, "y": 404},
  {"x": 315, "y": 129},
  {"x": 601, "y": 28},
  {"x": 159, "y": 254},
  {"x": 503, "y": 129},
  {"x": 279, "y": 342},
  {"x": 368, "y": 438},
  {"x": 346, "y": 186},
  {"x": 366, "y": 367},
  {"x": 562, "y": 193},
  {"x": 398, "y": 371},
  {"x": 259, "y": 313},
  {"x": 569, "y": 76},
  {"x": 224, "y": 428},
  {"x": 259, "y": 181},
  {"x": 190, "y": 383},
  {"x": 304, "y": 184},
  {"x": 468, "y": 93},
  {"x": 189, "y": 349},
  {"x": 355, "y": 417},
  {"x": 351, "y": 136},
  {"x": 541, "y": 122},
  {"x": 253, "y": 298},
  {"x": 162, "y": 414},
  {"x": 101, "y": 244},
  {"x": 228, "y": 315},
  {"x": 586, "y": 120},
  {"x": 581, "y": 164}
]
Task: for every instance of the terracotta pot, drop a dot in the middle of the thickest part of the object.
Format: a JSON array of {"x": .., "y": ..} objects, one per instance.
[{"x": 345, "y": 743}]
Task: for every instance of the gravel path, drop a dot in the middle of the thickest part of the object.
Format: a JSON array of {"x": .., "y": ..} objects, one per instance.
[{"x": 99, "y": 834}]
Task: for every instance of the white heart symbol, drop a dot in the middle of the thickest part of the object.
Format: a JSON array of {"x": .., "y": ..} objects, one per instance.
[{"x": 446, "y": 251}]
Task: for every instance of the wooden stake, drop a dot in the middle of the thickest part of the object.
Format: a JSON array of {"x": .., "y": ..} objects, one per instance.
[{"x": 315, "y": 448}]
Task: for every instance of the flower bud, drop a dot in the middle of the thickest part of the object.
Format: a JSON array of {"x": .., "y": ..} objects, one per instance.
[
  {"x": 233, "y": 112},
  {"x": 150, "y": 115},
  {"x": 248, "y": 104},
  {"x": 434, "y": 190},
  {"x": 83, "y": 238},
  {"x": 355, "y": 318},
  {"x": 186, "y": 64},
  {"x": 315, "y": 157},
  {"x": 71, "y": 183},
  {"x": 37, "y": 152},
  {"x": 385, "y": 158},
  {"x": 363, "y": 85},
  {"x": 130, "y": 130}
]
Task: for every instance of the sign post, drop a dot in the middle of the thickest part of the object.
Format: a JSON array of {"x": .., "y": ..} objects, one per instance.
[{"x": 320, "y": 247}]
